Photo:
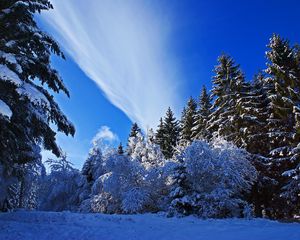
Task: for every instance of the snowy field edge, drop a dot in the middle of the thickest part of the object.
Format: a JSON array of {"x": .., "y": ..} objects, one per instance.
[{"x": 66, "y": 225}]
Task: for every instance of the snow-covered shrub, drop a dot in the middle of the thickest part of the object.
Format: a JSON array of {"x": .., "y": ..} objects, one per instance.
[
  {"x": 105, "y": 203},
  {"x": 127, "y": 185},
  {"x": 212, "y": 180},
  {"x": 136, "y": 200},
  {"x": 123, "y": 175},
  {"x": 60, "y": 189}
]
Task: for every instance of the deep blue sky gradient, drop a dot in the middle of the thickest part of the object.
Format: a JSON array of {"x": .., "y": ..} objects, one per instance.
[{"x": 203, "y": 30}]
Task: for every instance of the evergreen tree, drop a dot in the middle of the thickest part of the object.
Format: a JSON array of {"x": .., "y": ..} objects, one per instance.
[
  {"x": 159, "y": 135},
  {"x": 254, "y": 112},
  {"x": 26, "y": 79},
  {"x": 170, "y": 134},
  {"x": 284, "y": 78},
  {"x": 202, "y": 117},
  {"x": 135, "y": 130},
  {"x": 181, "y": 202},
  {"x": 229, "y": 85},
  {"x": 120, "y": 149},
  {"x": 188, "y": 121},
  {"x": 255, "y": 139}
]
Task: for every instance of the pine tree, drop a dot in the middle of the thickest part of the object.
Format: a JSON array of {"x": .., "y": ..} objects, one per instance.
[
  {"x": 228, "y": 88},
  {"x": 188, "y": 121},
  {"x": 26, "y": 79},
  {"x": 202, "y": 117},
  {"x": 170, "y": 134}
]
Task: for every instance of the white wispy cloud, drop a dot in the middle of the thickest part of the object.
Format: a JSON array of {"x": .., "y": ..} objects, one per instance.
[
  {"x": 104, "y": 134},
  {"x": 124, "y": 46}
]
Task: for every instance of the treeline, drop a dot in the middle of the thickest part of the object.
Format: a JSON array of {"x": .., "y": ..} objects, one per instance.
[
  {"x": 234, "y": 153},
  {"x": 261, "y": 115}
]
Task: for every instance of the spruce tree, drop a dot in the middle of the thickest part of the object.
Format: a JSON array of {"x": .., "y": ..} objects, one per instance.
[
  {"x": 227, "y": 89},
  {"x": 135, "y": 130},
  {"x": 188, "y": 121},
  {"x": 181, "y": 202},
  {"x": 253, "y": 110},
  {"x": 26, "y": 79},
  {"x": 170, "y": 134},
  {"x": 120, "y": 149},
  {"x": 159, "y": 135},
  {"x": 202, "y": 117},
  {"x": 283, "y": 71},
  {"x": 255, "y": 139}
]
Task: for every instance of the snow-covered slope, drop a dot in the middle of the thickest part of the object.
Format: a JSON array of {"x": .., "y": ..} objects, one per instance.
[{"x": 65, "y": 225}]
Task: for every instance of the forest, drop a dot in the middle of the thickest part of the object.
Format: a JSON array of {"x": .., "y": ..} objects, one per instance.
[{"x": 234, "y": 152}]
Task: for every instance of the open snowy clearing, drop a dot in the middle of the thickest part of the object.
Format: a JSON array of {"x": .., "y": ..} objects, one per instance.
[{"x": 65, "y": 225}]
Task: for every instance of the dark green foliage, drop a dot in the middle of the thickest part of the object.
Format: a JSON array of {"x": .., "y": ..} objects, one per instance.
[
  {"x": 167, "y": 134},
  {"x": 25, "y": 84},
  {"x": 188, "y": 121},
  {"x": 283, "y": 79},
  {"x": 227, "y": 89},
  {"x": 205, "y": 109},
  {"x": 134, "y": 130}
]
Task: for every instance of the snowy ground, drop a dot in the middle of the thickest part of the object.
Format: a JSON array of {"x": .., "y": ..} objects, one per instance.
[{"x": 42, "y": 225}]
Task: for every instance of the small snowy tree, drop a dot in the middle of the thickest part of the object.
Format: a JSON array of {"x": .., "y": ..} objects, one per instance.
[
  {"x": 60, "y": 188},
  {"x": 145, "y": 150},
  {"x": 181, "y": 200}
]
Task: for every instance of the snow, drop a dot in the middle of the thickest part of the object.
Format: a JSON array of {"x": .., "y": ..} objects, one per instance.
[
  {"x": 34, "y": 95},
  {"x": 65, "y": 225},
  {"x": 8, "y": 75},
  {"x": 4, "y": 109}
]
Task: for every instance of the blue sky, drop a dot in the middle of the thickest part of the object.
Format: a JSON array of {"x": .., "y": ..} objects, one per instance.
[{"x": 128, "y": 60}]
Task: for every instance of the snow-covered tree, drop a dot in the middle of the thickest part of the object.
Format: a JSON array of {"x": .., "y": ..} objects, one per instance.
[
  {"x": 60, "y": 188},
  {"x": 291, "y": 191},
  {"x": 159, "y": 135},
  {"x": 213, "y": 180},
  {"x": 181, "y": 199},
  {"x": 120, "y": 149},
  {"x": 227, "y": 89},
  {"x": 122, "y": 181},
  {"x": 145, "y": 150},
  {"x": 91, "y": 171},
  {"x": 133, "y": 133},
  {"x": 205, "y": 109},
  {"x": 283, "y": 77},
  {"x": 26, "y": 79},
  {"x": 20, "y": 188},
  {"x": 168, "y": 134},
  {"x": 188, "y": 121}
]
